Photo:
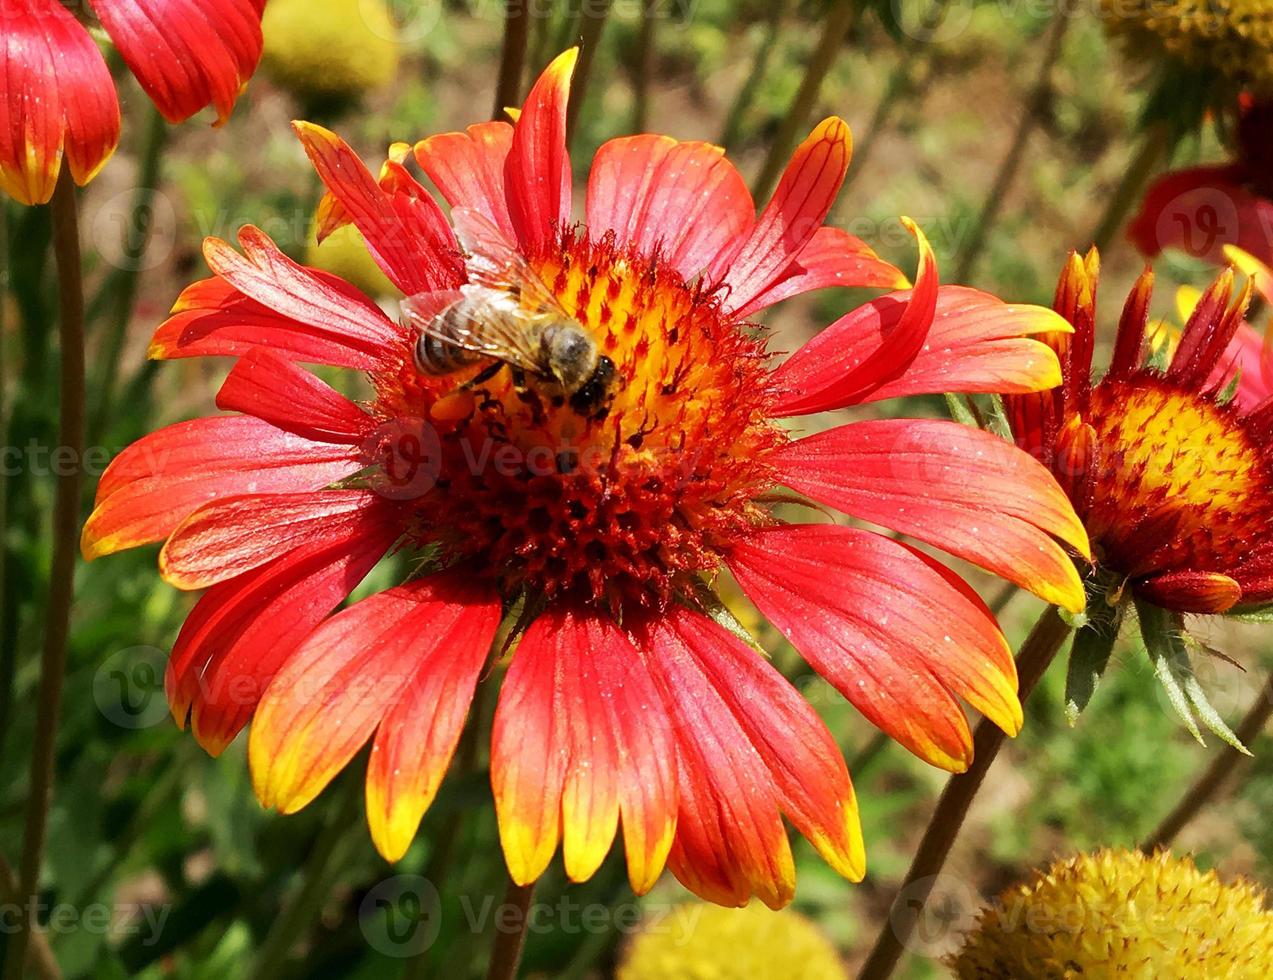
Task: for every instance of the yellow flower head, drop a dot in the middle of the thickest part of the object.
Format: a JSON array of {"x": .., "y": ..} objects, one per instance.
[
  {"x": 329, "y": 49},
  {"x": 1122, "y": 913},
  {"x": 707, "y": 942},
  {"x": 1232, "y": 38}
]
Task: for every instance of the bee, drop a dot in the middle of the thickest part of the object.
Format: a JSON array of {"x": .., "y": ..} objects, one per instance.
[{"x": 506, "y": 314}]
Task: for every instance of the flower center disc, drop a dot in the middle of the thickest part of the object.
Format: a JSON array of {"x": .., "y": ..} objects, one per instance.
[
  {"x": 623, "y": 500},
  {"x": 1179, "y": 481}
]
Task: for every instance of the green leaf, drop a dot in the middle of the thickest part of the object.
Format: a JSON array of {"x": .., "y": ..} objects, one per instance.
[
  {"x": 1170, "y": 660},
  {"x": 710, "y": 605},
  {"x": 1210, "y": 718},
  {"x": 1093, "y": 645},
  {"x": 1253, "y": 614}
]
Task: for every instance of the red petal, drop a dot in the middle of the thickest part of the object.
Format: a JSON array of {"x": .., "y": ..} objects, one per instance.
[
  {"x": 958, "y": 488},
  {"x": 242, "y": 631},
  {"x": 55, "y": 92},
  {"x": 832, "y": 258},
  {"x": 269, "y": 277},
  {"x": 270, "y": 387},
  {"x": 1192, "y": 592},
  {"x": 730, "y": 843},
  {"x": 414, "y": 744},
  {"x": 894, "y": 632},
  {"x": 357, "y": 669},
  {"x": 835, "y": 370},
  {"x": 468, "y": 169},
  {"x": 530, "y": 749},
  {"x": 684, "y": 201},
  {"x": 158, "y": 481},
  {"x": 1200, "y": 210},
  {"x": 803, "y": 759},
  {"x": 230, "y": 537},
  {"x": 799, "y": 206},
  {"x": 537, "y": 171},
  {"x": 976, "y": 343},
  {"x": 213, "y": 319},
  {"x": 187, "y": 53},
  {"x": 406, "y": 233}
]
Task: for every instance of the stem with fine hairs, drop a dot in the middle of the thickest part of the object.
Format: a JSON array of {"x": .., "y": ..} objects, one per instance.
[
  {"x": 589, "y": 27},
  {"x": 644, "y": 67},
  {"x": 1031, "y": 115},
  {"x": 834, "y": 27},
  {"x": 508, "y": 85},
  {"x": 1049, "y": 633},
  {"x": 506, "y": 955},
  {"x": 1156, "y": 144},
  {"x": 66, "y": 525},
  {"x": 1215, "y": 775}
]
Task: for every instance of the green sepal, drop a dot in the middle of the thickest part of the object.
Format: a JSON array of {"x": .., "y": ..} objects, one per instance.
[
  {"x": 1252, "y": 614},
  {"x": 961, "y": 411},
  {"x": 1089, "y": 656},
  {"x": 706, "y": 601},
  {"x": 1164, "y": 641}
]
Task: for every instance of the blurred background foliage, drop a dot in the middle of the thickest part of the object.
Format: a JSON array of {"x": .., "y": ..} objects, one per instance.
[{"x": 195, "y": 879}]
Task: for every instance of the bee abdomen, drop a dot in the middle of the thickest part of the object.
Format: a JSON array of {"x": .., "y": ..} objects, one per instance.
[{"x": 435, "y": 351}]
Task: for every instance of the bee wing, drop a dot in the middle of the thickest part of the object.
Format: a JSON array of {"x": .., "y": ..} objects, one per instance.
[
  {"x": 423, "y": 308},
  {"x": 494, "y": 262},
  {"x": 489, "y": 323}
]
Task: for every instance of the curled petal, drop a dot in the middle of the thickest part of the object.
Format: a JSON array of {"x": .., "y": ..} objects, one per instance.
[
  {"x": 187, "y": 53},
  {"x": 468, "y": 169},
  {"x": 958, "y": 488},
  {"x": 537, "y": 171},
  {"x": 56, "y": 98},
  {"x": 242, "y": 631},
  {"x": 893, "y": 631},
  {"x": 1192, "y": 592},
  {"x": 683, "y": 201},
  {"x": 158, "y": 481},
  {"x": 793, "y": 216}
]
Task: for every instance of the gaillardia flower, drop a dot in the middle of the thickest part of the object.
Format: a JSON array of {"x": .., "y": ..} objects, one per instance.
[
  {"x": 57, "y": 96},
  {"x": 1173, "y": 479},
  {"x": 577, "y": 429},
  {"x": 1121, "y": 914}
]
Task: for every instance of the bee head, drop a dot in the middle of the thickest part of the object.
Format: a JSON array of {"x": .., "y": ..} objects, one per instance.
[{"x": 572, "y": 356}]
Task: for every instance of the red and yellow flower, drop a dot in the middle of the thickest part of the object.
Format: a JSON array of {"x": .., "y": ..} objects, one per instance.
[
  {"x": 626, "y": 703},
  {"x": 1172, "y": 477},
  {"x": 57, "y": 98}
]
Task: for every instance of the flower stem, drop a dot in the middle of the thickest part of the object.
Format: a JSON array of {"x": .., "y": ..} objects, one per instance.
[
  {"x": 733, "y": 127},
  {"x": 943, "y": 827},
  {"x": 834, "y": 27},
  {"x": 41, "y": 960},
  {"x": 66, "y": 520},
  {"x": 1032, "y": 114},
  {"x": 644, "y": 67},
  {"x": 508, "y": 86},
  {"x": 1155, "y": 145},
  {"x": 141, "y": 218},
  {"x": 316, "y": 882},
  {"x": 589, "y": 27},
  {"x": 1209, "y": 781},
  {"x": 507, "y": 953}
]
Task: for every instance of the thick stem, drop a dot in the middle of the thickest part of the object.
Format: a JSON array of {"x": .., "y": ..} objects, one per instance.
[
  {"x": 943, "y": 827},
  {"x": 1222, "y": 767},
  {"x": 1032, "y": 114},
  {"x": 1155, "y": 145},
  {"x": 509, "y": 942},
  {"x": 66, "y": 520},
  {"x": 591, "y": 24},
  {"x": 133, "y": 254},
  {"x": 508, "y": 86},
  {"x": 41, "y": 960},
  {"x": 316, "y": 881},
  {"x": 644, "y": 67},
  {"x": 834, "y": 27}
]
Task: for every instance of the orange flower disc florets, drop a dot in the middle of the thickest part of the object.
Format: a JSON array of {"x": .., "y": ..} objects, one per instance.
[
  {"x": 619, "y": 503},
  {"x": 1181, "y": 483}
]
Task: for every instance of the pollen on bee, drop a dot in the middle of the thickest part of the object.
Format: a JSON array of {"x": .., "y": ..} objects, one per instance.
[{"x": 454, "y": 407}]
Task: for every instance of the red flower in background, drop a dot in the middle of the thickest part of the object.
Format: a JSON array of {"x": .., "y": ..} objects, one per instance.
[
  {"x": 57, "y": 98},
  {"x": 594, "y": 515}
]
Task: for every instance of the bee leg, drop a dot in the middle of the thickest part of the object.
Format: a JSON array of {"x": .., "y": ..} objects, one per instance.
[{"x": 484, "y": 375}]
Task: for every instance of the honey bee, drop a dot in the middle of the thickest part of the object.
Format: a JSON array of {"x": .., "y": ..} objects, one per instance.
[{"x": 506, "y": 314}]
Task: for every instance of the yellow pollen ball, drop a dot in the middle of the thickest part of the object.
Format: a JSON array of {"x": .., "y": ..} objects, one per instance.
[
  {"x": 1122, "y": 914},
  {"x": 707, "y": 942},
  {"x": 1231, "y": 38},
  {"x": 329, "y": 49},
  {"x": 1179, "y": 483}
]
